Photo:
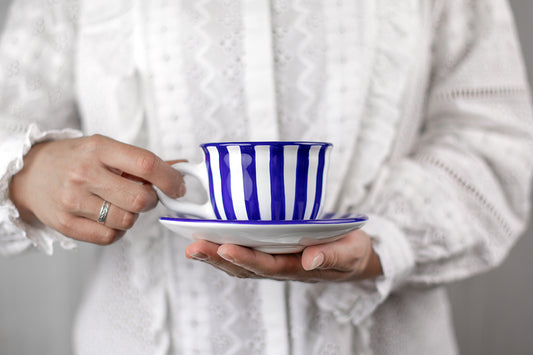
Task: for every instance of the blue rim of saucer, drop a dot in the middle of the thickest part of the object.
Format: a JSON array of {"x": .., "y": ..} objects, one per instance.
[
  {"x": 340, "y": 219},
  {"x": 271, "y": 143}
]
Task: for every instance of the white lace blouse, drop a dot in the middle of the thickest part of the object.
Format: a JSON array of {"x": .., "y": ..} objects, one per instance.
[{"x": 427, "y": 106}]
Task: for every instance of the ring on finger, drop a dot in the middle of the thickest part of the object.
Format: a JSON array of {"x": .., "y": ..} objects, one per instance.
[{"x": 103, "y": 212}]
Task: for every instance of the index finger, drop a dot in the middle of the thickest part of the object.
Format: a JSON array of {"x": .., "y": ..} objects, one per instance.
[
  {"x": 138, "y": 179},
  {"x": 142, "y": 164},
  {"x": 277, "y": 266}
]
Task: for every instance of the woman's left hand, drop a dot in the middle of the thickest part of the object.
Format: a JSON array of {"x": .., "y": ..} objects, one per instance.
[{"x": 349, "y": 258}]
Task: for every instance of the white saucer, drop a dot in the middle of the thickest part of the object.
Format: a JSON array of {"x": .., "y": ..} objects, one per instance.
[{"x": 274, "y": 237}]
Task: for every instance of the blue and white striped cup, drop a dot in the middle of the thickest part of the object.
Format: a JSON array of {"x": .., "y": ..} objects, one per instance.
[{"x": 258, "y": 181}]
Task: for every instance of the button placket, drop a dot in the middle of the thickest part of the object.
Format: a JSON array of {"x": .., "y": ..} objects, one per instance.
[{"x": 259, "y": 75}]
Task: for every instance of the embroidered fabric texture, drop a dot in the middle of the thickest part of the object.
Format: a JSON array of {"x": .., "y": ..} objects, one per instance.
[{"x": 440, "y": 163}]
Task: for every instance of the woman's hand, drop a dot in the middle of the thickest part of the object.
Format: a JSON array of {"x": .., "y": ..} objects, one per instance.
[
  {"x": 349, "y": 258},
  {"x": 64, "y": 184}
]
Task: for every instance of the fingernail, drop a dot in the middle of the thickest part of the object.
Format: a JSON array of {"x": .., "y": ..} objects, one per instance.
[
  {"x": 181, "y": 190},
  {"x": 199, "y": 256},
  {"x": 317, "y": 261},
  {"x": 226, "y": 257}
]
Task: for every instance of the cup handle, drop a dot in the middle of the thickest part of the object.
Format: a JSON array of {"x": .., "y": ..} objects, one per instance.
[{"x": 190, "y": 208}]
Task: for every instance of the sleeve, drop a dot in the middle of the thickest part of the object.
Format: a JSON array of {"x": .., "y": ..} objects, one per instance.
[
  {"x": 455, "y": 206},
  {"x": 36, "y": 104},
  {"x": 461, "y": 199}
]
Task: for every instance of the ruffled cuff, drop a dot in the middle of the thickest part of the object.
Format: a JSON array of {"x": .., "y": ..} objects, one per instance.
[
  {"x": 355, "y": 301},
  {"x": 16, "y": 235},
  {"x": 395, "y": 254}
]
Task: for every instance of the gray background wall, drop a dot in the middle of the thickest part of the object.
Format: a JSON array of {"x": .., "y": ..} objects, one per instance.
[{"x": 493, "y": 313}]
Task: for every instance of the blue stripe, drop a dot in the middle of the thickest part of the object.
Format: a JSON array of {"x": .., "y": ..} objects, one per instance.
[
  {"x": 302, "y": 171},
  {"x": 250, "y": 182},
  {"x": 225, "y": 176},
  {"x": 320, "y": 178},
  {"x": 277, "y": 183},
  {"x": 211, "y": 188}
]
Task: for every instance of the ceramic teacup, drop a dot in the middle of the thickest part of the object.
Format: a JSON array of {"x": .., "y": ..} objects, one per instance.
[{"x": 257, "y": 181}]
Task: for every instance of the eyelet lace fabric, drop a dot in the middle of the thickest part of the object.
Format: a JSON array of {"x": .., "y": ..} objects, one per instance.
[
  {"x": 29, "y": 96},
  {"x": 426, "y": 104}
]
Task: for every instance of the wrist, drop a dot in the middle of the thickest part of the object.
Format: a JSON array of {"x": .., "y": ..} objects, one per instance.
[
  {"x": 19, "y": 187},
  {"x": 16, "y": 195},
  {"x": 373, "y": 266},
  {"x": 17, "y": 200}
]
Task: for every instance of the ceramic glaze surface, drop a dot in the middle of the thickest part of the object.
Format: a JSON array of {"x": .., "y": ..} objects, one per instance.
[
  {"x": 266, "y": 180},
  {"x": 275, "y": 237}
]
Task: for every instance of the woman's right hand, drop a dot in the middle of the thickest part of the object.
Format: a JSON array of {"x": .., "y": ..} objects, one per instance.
[{"x": 64, "y": 184}]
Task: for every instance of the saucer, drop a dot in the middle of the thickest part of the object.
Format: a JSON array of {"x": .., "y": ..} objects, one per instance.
[{"x": 273, "y": 237}]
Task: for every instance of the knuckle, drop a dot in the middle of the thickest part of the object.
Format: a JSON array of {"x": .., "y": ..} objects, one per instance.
[
  {"x": 140, "y": 201},
  {"x": 276, "y": 269},
  {"x": 64, "y": 221},
  {"x": 79, "y": 174},
  {"x": 329, "y": 263},
  {"x": 128, "y": 220},
  {"x": 108, "y": 237},
  {"x": 91, "y": 143},
  {"x": 69, "y": 202},
  {"x": 147, "y": 163}
]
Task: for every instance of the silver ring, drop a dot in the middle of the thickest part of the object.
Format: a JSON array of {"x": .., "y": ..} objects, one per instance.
[{"x": 103, "y": 212}]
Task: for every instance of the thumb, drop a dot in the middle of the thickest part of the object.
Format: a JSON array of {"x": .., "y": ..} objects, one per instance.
[
  {"x": 343, "y": 254},
  {"x": 325, "y": 256},
  {"x": 310, "y": 262}
]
